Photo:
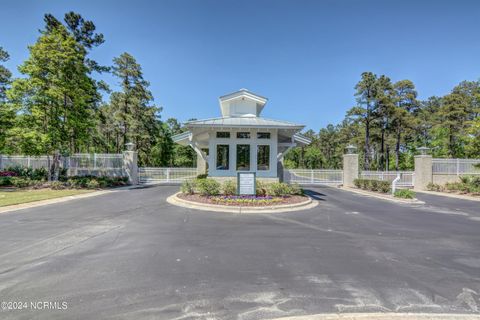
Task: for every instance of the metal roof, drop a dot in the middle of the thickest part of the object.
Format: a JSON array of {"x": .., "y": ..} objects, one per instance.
[{"x": 243, "y": 122}]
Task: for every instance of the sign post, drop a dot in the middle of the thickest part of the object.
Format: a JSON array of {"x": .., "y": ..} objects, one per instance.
[{"x": 246, "y": 184}]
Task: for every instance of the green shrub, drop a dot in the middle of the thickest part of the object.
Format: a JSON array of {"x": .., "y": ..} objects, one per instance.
[
  {"x": 357, "y": 183},
  {"x": 365, "y": 184},
  {"x": 93, "y": 184},
  {"x": 202, "y": 176},
  {"x": 373, "y": 185},
  {"x": 278, "y": 189},
  {"x": 295, "y": 189},
  {"x": 188, "y": 187},
  {"x": 453, "y": 186},
  {"x": 384, "y": 186},
  {"x": 5, "y": 181},
  {"x": 208, "y": 187},
  {"x": 32, "y": 174},
  {"x": 20, "y": 182},
  {"x": 229, "y": 188},
  {"x": 58, "y": 185},
  {"x": 434, "y": 187},
  {"x": 404, "y": 193},
  {"x": 261, "y": 188}
]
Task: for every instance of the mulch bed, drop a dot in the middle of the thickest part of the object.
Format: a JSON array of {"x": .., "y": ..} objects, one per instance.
[{"x": 208, "y": 200}]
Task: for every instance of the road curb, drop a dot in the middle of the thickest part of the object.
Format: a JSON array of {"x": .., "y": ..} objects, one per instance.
[
  {"x": 383, "y": 197},
  {"x": 174, "y": 200}
]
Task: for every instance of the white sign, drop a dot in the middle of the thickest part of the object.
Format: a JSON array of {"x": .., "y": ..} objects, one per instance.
[{"x": 246, "y": 183}]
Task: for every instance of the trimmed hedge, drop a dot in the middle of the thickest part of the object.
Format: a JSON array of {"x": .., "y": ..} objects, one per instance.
[{"x": 373, "y": 185}]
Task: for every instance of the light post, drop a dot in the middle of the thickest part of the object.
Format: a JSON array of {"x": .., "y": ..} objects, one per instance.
[
  {"x": 423, "y": 150},
  {"x": 351, "y": 149},
  {"x": 130, "y": 146}
]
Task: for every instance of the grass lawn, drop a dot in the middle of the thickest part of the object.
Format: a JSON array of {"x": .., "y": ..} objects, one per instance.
[{"x": 23, "y": 196}]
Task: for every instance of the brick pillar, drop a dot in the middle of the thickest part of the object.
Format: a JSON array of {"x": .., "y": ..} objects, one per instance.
[
  {"x": 350, "y": 169},
  {"x": 130, "y": 163},
  {"x": 423, "y": 172}
]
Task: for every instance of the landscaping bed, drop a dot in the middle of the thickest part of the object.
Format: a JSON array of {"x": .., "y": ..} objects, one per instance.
[
  {"x": 247, "y": 201},
  {"x": 383, "y": 187},
  {"x": 468, "y": 185},
  {"x": 22, "y": 185},
  {"x": 209, "y": 191}
]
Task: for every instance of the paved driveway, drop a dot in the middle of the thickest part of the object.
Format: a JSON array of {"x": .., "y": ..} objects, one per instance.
[{"x": 131, "y": 255}]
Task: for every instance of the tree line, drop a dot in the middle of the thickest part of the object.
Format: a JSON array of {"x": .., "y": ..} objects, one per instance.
[
  {"x": 389, "y": 123},
  {"x": 57, "y": 105}
]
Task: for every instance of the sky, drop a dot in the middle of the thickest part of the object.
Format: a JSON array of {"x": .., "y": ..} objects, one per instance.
[{"x": 304, "y": 56}]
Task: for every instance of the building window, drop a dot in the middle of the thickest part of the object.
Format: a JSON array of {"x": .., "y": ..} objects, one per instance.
[
  {"x": 223, "y": 134},
  {"x": 243, "y": 157},
  {"x": 223, "y": 153},
  {"x": 263, "y": 157},
  {"x": 263, "y": 135},
  {"x": 243, "y": 135}
]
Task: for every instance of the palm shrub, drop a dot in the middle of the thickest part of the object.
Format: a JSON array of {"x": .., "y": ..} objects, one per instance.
[
  {"x": 229, "y": 188},
  {"x": 208, "y": 187}
]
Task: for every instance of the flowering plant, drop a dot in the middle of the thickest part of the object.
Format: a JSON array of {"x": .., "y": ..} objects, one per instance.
[{"x": 8, "y": 174}]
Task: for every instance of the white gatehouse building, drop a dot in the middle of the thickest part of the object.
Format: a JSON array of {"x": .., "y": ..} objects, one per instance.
[{"x": 241, "y": 140}]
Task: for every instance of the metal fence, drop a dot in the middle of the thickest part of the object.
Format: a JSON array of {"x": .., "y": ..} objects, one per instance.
[
  {"x": 313, "y": 176},
  {"x": 407, "y": 178},
  {"x": 455, "y": 166},
  {"x": 76, "y": 164},
  {"x": 165, "y": 175}
]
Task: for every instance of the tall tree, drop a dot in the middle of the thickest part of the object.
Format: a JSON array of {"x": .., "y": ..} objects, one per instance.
[
  {"x": 7, "y": 114},
  {"x": 365, "y": 109},
  {"x": 132, "y": 107},
  {"x": 405, "y": 97},
  {"x": 55, "y": 95}
]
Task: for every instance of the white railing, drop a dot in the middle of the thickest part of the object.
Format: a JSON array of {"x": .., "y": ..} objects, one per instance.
[
  {"x": 76, "y": 164},
  {"x": 23, "y": 161},
  {"x": 165, "y": 175},
  {"x": 407, "y": 178},
  {"x": 313, "y": 176},
  {"x": 455, "y": 166}
]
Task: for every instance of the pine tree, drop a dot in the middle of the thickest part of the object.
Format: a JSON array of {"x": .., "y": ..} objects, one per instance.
[
  {"x": 54, "y": 97},
  {"x": 131, "y": 108}
]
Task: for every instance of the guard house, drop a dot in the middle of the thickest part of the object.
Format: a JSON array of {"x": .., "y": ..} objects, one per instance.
[{"x": 241, "y": 140}]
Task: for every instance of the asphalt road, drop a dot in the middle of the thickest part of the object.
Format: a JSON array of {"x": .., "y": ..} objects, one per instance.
[{"x": 130, "y": 255}]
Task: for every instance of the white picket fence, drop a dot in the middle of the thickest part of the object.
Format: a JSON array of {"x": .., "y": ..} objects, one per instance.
[
  {"x": 23, "y": 161},
  {"x": 455, "y": 166},
  {"x": 148, "y": 175},
  {"x": 76, "y": 164},
  {"x": 407, "y": 178},
  {"x": 313, "y": 176}
]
